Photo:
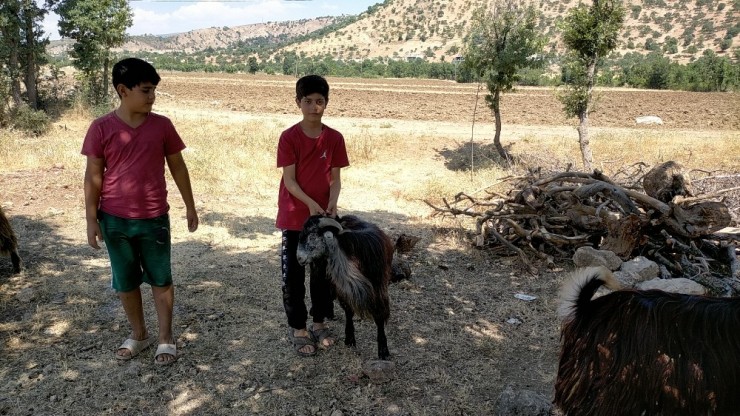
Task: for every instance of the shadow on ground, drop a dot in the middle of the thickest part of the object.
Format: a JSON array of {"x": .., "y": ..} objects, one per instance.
[{"x": 452, "y": 347}]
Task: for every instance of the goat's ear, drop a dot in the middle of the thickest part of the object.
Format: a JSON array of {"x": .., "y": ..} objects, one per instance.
[{"x": 328, "y": 235}]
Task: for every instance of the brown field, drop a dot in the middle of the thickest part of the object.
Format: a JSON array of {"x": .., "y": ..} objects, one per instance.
[
  {"x": 447, "y": 101},
  {"x": 451, "y": 340}
]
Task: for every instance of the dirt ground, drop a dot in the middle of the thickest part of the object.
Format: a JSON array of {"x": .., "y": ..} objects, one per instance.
[{"x": 457, "y": 334}]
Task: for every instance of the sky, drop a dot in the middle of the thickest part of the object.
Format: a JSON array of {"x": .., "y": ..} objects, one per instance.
[{"x": 161, "y": 17}]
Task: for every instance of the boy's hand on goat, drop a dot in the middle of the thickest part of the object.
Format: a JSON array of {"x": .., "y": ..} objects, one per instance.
[
  {"x": 331, "y": 210},
  {"x": 315, "y": 209}
]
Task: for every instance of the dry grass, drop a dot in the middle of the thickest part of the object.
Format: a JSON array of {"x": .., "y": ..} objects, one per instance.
[{"x": 449, "y": 337}]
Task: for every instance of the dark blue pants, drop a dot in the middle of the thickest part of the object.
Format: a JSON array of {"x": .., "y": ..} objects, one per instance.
[{"x": 294, "y": 286}]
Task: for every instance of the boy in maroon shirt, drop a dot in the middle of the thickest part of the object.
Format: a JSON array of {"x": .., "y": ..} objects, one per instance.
[
  {"x": 311, "y": 155},
  {"x": 126, "y": 202}
]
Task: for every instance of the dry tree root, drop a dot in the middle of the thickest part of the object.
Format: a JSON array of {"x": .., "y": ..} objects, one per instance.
[{"x": 550, "y": 216}]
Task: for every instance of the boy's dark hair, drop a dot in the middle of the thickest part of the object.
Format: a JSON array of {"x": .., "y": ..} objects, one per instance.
[
  {"x": 133, "y": 71},
  {"x": 311, "y": 84}
]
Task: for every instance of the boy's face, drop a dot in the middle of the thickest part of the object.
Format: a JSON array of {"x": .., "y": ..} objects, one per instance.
[
  {"x": 312, "y": 106},
  {"x": 139, "y": 98}
]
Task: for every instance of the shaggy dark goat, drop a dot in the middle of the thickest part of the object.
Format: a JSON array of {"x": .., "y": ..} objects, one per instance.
[
  {"x": 8, "y": 242},
  {"x": 358, "y": 258},
  {"x": 635, "y": 352}
]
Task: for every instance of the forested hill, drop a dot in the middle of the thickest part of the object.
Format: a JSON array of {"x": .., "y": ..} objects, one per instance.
[{"x": 434, "y": 30}]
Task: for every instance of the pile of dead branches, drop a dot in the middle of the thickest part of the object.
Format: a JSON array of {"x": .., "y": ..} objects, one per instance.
[{"x": 661, "y": 217}]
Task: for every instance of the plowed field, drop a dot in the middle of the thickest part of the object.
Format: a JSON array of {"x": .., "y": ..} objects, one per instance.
[{"x": 447, "y": 101}]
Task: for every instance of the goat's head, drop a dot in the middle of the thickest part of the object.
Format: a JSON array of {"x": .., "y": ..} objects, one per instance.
[{"x": 318, "y": 238}]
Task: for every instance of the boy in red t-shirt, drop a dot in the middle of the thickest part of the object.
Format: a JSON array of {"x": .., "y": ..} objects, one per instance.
[
  {"x": 311, "y": 155},
  {"x": 126, "y": 202}
]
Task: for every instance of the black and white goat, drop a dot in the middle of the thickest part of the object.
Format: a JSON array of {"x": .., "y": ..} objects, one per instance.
[
  {"x": 9, "y": 243},
  {"x": 646, "y": 352},
  {"x": 358, "y": 256}
]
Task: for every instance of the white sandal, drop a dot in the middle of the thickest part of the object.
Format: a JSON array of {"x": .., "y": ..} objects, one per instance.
[
  {"x": 135, "y": 346},
  {"x": 170, "y": 349}
]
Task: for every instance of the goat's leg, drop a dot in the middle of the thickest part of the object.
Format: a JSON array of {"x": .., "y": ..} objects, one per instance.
[
  {"x": 383, "y": 352},
  {"x": 349, "y": 325},
  {"x": 16, "y": 260}
]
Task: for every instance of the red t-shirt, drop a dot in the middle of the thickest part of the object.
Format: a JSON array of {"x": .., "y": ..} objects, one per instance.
[
  {"x": 134, "y": 185},
  {"x": 313, "y": 160}
]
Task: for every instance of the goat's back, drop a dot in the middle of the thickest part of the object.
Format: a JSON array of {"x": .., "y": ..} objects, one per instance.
[
  {"x": 634, "y": 352},
  {"x": 369, "y": 243}
]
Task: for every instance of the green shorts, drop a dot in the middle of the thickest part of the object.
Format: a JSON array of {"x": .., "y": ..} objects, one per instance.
[{"x": 139, "y": 251}]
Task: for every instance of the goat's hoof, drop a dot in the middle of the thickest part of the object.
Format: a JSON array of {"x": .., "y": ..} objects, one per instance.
[{"x": 350, "y": 342}]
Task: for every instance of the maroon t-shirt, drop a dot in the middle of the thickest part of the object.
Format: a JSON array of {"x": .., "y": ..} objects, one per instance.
[
  {"x": 134, "y": 185},
  {"x": 313, "y": 159}
]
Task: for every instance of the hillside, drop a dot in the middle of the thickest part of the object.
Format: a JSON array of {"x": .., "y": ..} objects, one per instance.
[
  {"x": 434, "y": 30},
  {"x": 214, "y": 37}
]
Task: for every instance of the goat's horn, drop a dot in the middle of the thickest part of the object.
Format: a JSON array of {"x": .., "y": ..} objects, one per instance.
[{"x": 330, "y": 222}]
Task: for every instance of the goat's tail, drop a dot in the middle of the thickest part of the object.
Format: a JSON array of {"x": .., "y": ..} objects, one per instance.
[{"x": 580, "y": 286}]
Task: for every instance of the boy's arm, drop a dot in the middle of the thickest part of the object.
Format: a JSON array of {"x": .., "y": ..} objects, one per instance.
[
  {"x": 93, "y": 185},
  {"x": 179, "y": 172},
  {"x": 335, "y": 187},
  {"x": 292, "y": 186}
]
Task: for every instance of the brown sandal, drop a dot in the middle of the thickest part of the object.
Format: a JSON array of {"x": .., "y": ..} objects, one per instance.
[
  {"x": 300, "y": 342},
  {"x": 319, "y": 335}
]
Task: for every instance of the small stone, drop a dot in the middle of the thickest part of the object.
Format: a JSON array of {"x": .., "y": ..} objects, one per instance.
[
  {"x": 393, "y": 409},
  {"x": 26, "y": 295},
  {"x": 379, "y": 371}
]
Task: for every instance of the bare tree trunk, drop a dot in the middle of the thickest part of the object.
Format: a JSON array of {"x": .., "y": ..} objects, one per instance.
[
  {"x": 583, "y": 137},
  {"x": 104, "y": 81},
  {"x": 496, "y": 101},
  {"x": 31, "y": 67},
  {"x": 583, "y": 141},
  {"x": 15, "y": 85}
]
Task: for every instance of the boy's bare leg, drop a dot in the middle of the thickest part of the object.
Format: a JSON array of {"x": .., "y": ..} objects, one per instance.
[
  {"x": 131, "y": 302},
  {"x": 164, "y": 299}
]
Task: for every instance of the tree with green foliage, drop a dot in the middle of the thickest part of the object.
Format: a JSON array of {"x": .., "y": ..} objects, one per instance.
[
  {"x": 713, "y": 72},
  {"x": 590, "y": 33},
  {"x": 252, "y": 65},
  {"x": 503, "y": 40},
  {"x": 97, "y": 26},
  {"x": 21, "y": 49}
]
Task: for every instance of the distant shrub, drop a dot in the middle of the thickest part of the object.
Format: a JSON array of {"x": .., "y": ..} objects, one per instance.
[
  {"x": 651, "y": 45},
  {"x": 29, "y": 120}
]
